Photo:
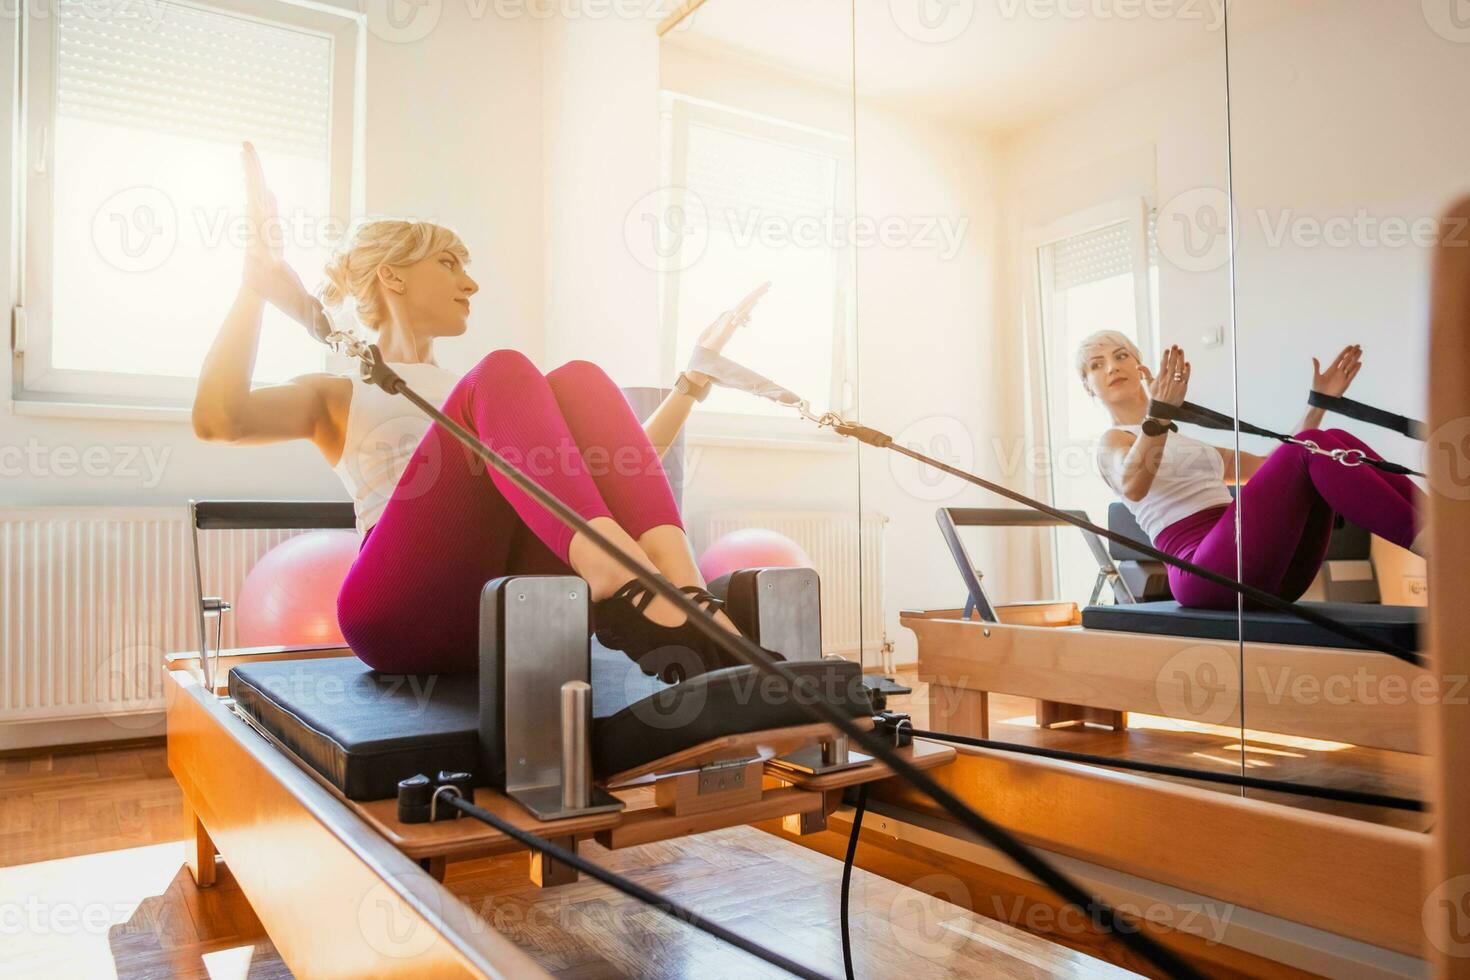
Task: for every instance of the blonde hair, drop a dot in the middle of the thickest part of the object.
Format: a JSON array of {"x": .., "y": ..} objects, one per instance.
[
  {"x": 352, "y": 271},
  {"x": 1111, "y": 339}
]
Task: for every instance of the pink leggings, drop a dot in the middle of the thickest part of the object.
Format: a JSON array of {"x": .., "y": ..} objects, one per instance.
[
  {"x": 410, "y": 603},
  {"x": 1286, "y": 512}
]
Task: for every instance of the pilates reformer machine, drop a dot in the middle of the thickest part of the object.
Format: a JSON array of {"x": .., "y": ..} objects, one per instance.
[
  {"x": 277, "y": 750},
  {"x": 555, "y": 736}
]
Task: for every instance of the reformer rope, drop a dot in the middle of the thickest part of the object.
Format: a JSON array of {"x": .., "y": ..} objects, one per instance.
[
  {"x": 728, "y": 373},
  {"x": 1208, "y": 418},
  {"x": 884, "y": 441},
  {"x": 852, "y": 842},
  {"x": 377, "y": 372}
]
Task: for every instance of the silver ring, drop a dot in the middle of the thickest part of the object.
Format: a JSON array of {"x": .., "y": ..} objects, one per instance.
[{"x": 1178, "y": 376}]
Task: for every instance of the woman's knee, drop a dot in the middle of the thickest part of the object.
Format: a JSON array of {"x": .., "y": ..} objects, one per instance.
[
  {"x": 505, "y": 367},
  {"x": 580, "y": 374}
]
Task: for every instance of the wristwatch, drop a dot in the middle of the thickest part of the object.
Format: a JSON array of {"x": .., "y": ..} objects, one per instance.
[
  {"x": 1157, "y": 427},
  {"x": 699, "y": 392}
]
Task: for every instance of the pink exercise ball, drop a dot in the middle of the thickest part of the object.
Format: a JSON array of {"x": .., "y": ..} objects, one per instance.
[
  {"x": 290, "y": 596},
  {"x": 751, "y": 547}
]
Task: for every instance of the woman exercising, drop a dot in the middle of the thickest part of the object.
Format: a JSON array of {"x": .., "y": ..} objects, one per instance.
[
  {"x": 1176, "y": 486},
  {"x": 436, "y": 525}
]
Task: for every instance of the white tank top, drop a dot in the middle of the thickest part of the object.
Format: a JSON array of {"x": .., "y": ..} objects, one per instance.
[
  {"x": 1191, "y": 478},
  {"x": 383, "y": 431}
]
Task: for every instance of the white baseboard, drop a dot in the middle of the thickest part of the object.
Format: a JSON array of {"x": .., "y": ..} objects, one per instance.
[{"x": 45, "y": 734}]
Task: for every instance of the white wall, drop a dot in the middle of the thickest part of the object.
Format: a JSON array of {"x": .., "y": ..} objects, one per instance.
[
  {"x": 1320, "y": 140},
  {"x": 600, "y": 147}
]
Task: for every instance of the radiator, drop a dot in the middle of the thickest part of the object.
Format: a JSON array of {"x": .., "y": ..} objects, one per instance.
[
  {"x": 847, "y": 551},
  {"x": 91, "y": 600}
]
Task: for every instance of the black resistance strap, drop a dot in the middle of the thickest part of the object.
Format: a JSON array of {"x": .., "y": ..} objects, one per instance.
[
  {"x": 1401, "y": 424},
  {"x": 859, "y": 808},
  {"x": 1184, "y": 772},
  {"x": 802, "y": 689},
  {"x": 1207, "y": 418},
  {"x": 884, "y": 441}
]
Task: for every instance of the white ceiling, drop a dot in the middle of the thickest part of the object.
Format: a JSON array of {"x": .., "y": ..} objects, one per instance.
[{"x": 1004, "y": 70}]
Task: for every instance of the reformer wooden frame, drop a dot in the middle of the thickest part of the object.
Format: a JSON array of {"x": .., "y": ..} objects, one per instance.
[{"x": 1041, "y": 651}]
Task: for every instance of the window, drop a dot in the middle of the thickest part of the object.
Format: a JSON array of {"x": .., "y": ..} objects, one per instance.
[
  {"x": 134, "y": 218},
  {"x": 767, "y": 199},
  {"x": 1094, "y": 272}
]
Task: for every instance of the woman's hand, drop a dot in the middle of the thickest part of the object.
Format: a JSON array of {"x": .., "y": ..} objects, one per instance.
[
  {"x": 718, "y": 334},
  {"x": 1173, "y": 378},
  {"x": 1340, "y": 373},
  {"x": 266, "y": 273}
]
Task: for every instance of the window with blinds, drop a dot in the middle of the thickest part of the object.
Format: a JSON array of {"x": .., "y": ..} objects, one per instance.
[
  {"x": 163, "y": 67},
  {"x": 1091, "y": 257},
  {"x": 769, "y": 209},
  {"x": 135, "y": 198}
]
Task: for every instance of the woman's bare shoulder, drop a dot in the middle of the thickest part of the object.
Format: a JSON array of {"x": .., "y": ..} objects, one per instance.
[{"x": 1116, "y": 439}]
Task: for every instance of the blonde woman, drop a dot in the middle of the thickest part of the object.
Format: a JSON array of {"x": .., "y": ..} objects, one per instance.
[
  {"x": 435, "y": 524},
  {"x": 1175, "y": 486}
]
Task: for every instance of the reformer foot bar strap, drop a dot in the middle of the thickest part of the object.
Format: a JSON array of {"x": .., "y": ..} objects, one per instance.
[{"x": 377, "y": 372}]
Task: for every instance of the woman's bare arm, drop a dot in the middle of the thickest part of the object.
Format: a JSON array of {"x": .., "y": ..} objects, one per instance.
[
  {"x": 227, "y": 409},
  {"x": 1249, "y": 463},
  {"x": 663, "y": 426},
  {"x": 1129, "y": 463}
]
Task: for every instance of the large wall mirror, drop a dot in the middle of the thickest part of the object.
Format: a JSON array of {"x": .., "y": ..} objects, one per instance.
[
  {"x": 757, "y": 158},
  {"x": 986, "y": 188},
  {"x": 1338, "y": 178}
]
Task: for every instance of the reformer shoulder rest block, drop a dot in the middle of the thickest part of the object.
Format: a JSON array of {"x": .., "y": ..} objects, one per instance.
[
  {"x": 363, "y": 731},
  {"x": 1393, "y": 624}
]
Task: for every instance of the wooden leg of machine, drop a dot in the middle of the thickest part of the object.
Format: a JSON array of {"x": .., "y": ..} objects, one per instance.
[
  {"x": 199, "y": 850},
  {"x": 546, "y": 873},
  {"x": 959, "y": 711},
  {"x": 436, "y": 867},
  {"x": 1052, "y": 713}
]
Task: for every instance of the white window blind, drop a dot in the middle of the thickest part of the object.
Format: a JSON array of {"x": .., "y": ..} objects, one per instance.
[
  {"x": 739, "y": 177},
  {"x": 1092, "y": 256},
  {"x": 167, "y": 68}
]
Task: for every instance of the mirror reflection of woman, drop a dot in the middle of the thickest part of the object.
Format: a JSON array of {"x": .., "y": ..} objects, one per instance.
[
  {"x": 1176, "y": 486},
  {"x": 436, "y": 526}
]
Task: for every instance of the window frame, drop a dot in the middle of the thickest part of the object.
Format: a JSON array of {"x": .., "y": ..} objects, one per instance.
[
  {"x": 740, "y": 428},
  {"x": 1135, "y": 211},
  {"x": 34, "y": 379}
]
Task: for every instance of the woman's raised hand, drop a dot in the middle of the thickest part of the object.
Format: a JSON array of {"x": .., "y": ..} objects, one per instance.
[
  {"x": 262, "y": 219},
  {"x": 1340, "y": 373},
  {"x": 715, "y": 336},
  {"x": 265, "y": 272},
  {"x": 1172, "y": 380}
]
